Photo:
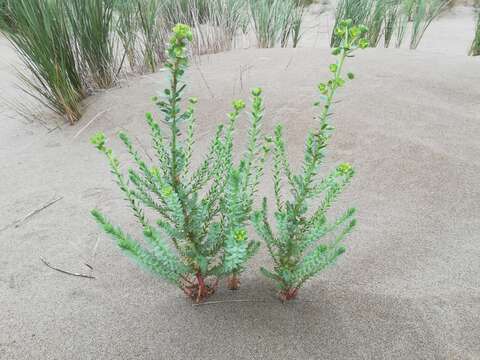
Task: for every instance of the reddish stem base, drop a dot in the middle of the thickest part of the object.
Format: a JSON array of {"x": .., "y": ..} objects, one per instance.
[
  {"x": 199, "y": 289},
  {"x": 288, "y": 294},
  {"x": 233, "y": 282}
]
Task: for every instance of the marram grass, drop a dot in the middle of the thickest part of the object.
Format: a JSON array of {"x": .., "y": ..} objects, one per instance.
[
  {"x": 73, "y": 47},
  {"x": 276, "y": 21},
  {"x": 390, "y": 19},
  {"x": 66, "y": 46},
  {"x": 475, "y": 47},
  {"x": 92, "y": 24},
  {"x": 40, "y": 33}
]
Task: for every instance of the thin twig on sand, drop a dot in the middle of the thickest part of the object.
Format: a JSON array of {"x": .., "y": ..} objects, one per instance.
[
  {"x": 19, "y": 222},
  {"x": 53, "y": 129},
  {"x": 91, "y": 121},
  {"x": 244, "y": 70},
  {"x": 232, "y": 301},
  {"x": 65, "y": 271},
  {"x": 246, "y": 300},
  {"x": 205, "y": 81},
  {"x": 289, "y": 63},
  {"x": 94, "y": 252},
  {"x": 143, "y": 148}
]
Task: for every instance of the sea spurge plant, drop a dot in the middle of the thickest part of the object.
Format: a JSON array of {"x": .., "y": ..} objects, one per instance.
[
  {"x": 295, "y": 245},
  {"x": 203, "y": 212}
]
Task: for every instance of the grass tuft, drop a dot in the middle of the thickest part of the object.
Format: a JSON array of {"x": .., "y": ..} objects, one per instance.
[
  {"x": 276, "y": 21},
  {"x": 92, "y": 24},
  {"x": 40, "y": 33},
  {"x": 475, "y": 48},
  {"x": 389, "y": 19},
  {"x": 423, "y": 12}
]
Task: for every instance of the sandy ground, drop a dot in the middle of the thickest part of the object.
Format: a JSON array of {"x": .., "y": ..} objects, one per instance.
[{"x": 407, "y": 288}]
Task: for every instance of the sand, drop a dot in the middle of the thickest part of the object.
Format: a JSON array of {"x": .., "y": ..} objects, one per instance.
[{"x": 407, "y": 288}]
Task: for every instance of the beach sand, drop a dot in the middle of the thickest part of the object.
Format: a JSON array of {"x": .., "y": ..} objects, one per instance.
[{"x": 408, "y": 286}]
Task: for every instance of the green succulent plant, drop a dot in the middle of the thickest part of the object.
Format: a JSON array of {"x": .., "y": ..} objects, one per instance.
[
  {"x": 294, "y": 245},
  {"x": 202, "y": 211}
]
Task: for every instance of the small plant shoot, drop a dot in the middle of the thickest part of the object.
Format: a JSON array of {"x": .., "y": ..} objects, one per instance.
[
  {"x": 203, "y": 212},
  {"x": 295, "y": 244}
]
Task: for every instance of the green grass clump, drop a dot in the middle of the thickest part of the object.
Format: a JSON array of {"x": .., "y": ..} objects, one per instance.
[
  {"x": 67, "y": 46},
  {"x": 142, "y": 28},
  {"x": 475, "y": 48},
  {"x": 40, "y": 33},
  {"x": 152, "y": 31},
  {"x": 390, "y": 19},
  {"x": 423, "y": 12},
  {"x": 92, "y": 25},
  {"x": 276, "y": 21},
  {"x": 4, "y": 22},
  {"x": 214, "y": 23},
  {"x": 92, "y": 40},
  {"x": 127, "y": 28}
]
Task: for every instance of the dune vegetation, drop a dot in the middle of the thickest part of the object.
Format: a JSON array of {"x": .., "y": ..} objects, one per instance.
[
  {"x": 42, "y": 36},
  {"x": 475, "y": 48},
  {"x": 239, "y": 179},
  {"x": 390, "y": 21},
  {"x": 204, "y": 212},
  {"x": 93, "y": 40},
  {"x": 74, "y": 48}
]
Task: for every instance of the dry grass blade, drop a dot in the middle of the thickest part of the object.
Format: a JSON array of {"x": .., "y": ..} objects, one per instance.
[
  {"x": 66, "y": 271},
  {"x": 19, "y": 222}
]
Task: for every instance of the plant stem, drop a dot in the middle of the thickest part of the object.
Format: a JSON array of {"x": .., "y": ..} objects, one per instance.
[
  {"x": 202, "y": 290},
  {"x": 173, "y": 119},
  {"x": 234, "y": 282}
]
